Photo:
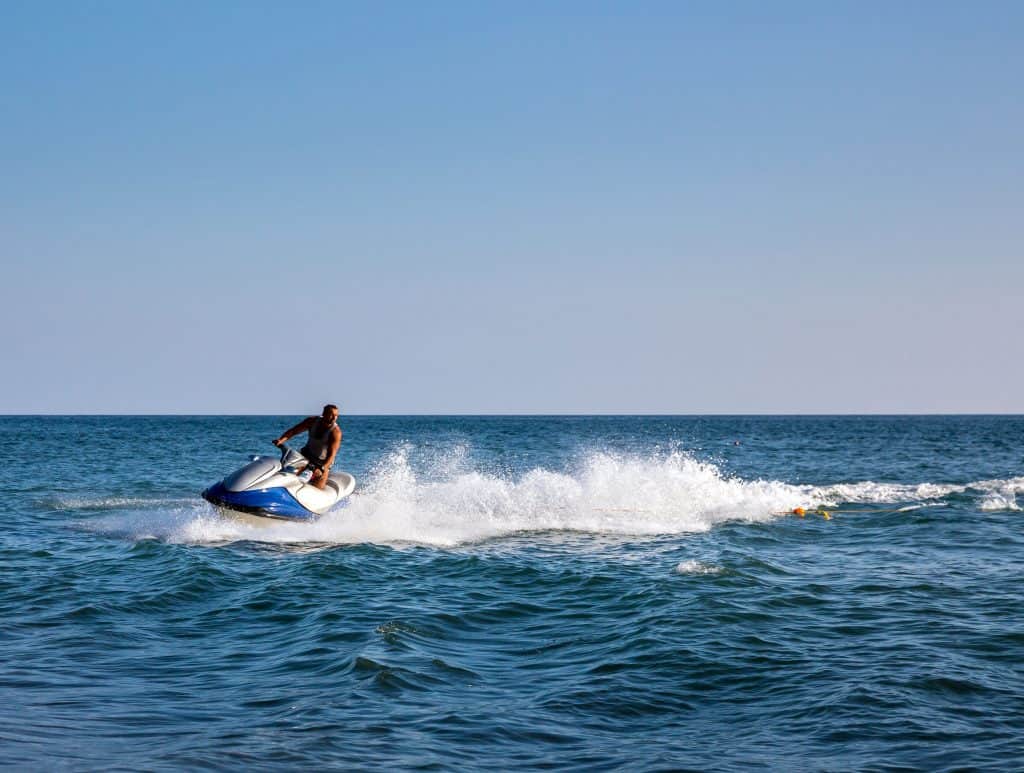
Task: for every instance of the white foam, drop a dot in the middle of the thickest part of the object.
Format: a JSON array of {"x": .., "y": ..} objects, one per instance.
[
  {"x": 1000, "y": 494},
  {"x": 997, "y": 502},
  {"x": 697, "y": 568},
  {"x": 609, "y": 495},
  {"x": 439, "y": 501},
  {"x": 870, "y": 492},
  {"x": 115, "y": 503}
]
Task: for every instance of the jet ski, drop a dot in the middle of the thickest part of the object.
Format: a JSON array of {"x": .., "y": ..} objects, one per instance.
[{"x": 270, "y": 490}]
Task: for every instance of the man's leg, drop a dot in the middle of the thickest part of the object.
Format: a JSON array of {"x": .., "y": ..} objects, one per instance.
[{"x": 319, "y": 478}]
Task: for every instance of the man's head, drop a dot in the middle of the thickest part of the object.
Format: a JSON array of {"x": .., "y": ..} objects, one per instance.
[{"x": 330, "y": 413}]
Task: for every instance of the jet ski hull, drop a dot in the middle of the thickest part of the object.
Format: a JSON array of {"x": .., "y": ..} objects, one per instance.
[
  {"x": 277, "y": 503},
  {"x": 268, "y": 491}
]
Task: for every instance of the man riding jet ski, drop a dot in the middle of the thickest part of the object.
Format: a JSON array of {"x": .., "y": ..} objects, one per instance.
[
  {"x": 295, "y": 487},
  {"x": 322, "y": 445}
]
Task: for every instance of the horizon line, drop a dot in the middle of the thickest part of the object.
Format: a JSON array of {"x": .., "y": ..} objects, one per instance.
[{"x": 520, "y": 415}]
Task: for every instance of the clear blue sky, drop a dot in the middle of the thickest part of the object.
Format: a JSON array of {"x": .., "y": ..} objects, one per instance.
[{"x": 530, "y": 207}]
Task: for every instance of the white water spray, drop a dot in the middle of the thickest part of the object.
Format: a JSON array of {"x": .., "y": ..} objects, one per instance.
[{"x": 610, "y": 494}]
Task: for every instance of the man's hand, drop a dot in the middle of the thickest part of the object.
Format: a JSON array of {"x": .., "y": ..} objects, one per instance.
[{"x": 279, "y": 441}]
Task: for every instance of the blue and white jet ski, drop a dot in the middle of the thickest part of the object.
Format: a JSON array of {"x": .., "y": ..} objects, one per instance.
[{"x": 270, "y": 490}]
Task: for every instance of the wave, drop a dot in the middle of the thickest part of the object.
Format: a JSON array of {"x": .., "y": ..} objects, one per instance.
[
  {"x": 870, "y": 492},
  {"x": 695, "y": 567},
  {"x": 113, "y": 503},
  {"x": 446, "y": 505}
]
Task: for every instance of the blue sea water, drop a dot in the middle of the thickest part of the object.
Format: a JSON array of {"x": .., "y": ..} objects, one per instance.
[{"x": 583, "y": 593}]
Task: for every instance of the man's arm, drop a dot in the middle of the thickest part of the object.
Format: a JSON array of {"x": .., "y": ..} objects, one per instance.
[{"x": 302, "y": 426}]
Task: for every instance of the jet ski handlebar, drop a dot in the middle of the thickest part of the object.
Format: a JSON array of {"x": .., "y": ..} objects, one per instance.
[{"x": 289, "y": 455}]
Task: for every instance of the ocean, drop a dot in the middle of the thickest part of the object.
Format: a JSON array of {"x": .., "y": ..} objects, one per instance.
[{"x": 558, "y": 593}]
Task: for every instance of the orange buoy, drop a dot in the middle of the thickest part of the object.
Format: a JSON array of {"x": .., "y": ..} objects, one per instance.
[{"x": 799, "y": 511}]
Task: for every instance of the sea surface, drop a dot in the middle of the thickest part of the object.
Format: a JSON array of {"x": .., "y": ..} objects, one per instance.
[{"x": 557, "y": 593}]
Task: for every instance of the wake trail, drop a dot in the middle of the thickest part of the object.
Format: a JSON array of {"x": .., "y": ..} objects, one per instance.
[{"x": 610, "y": 494}]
